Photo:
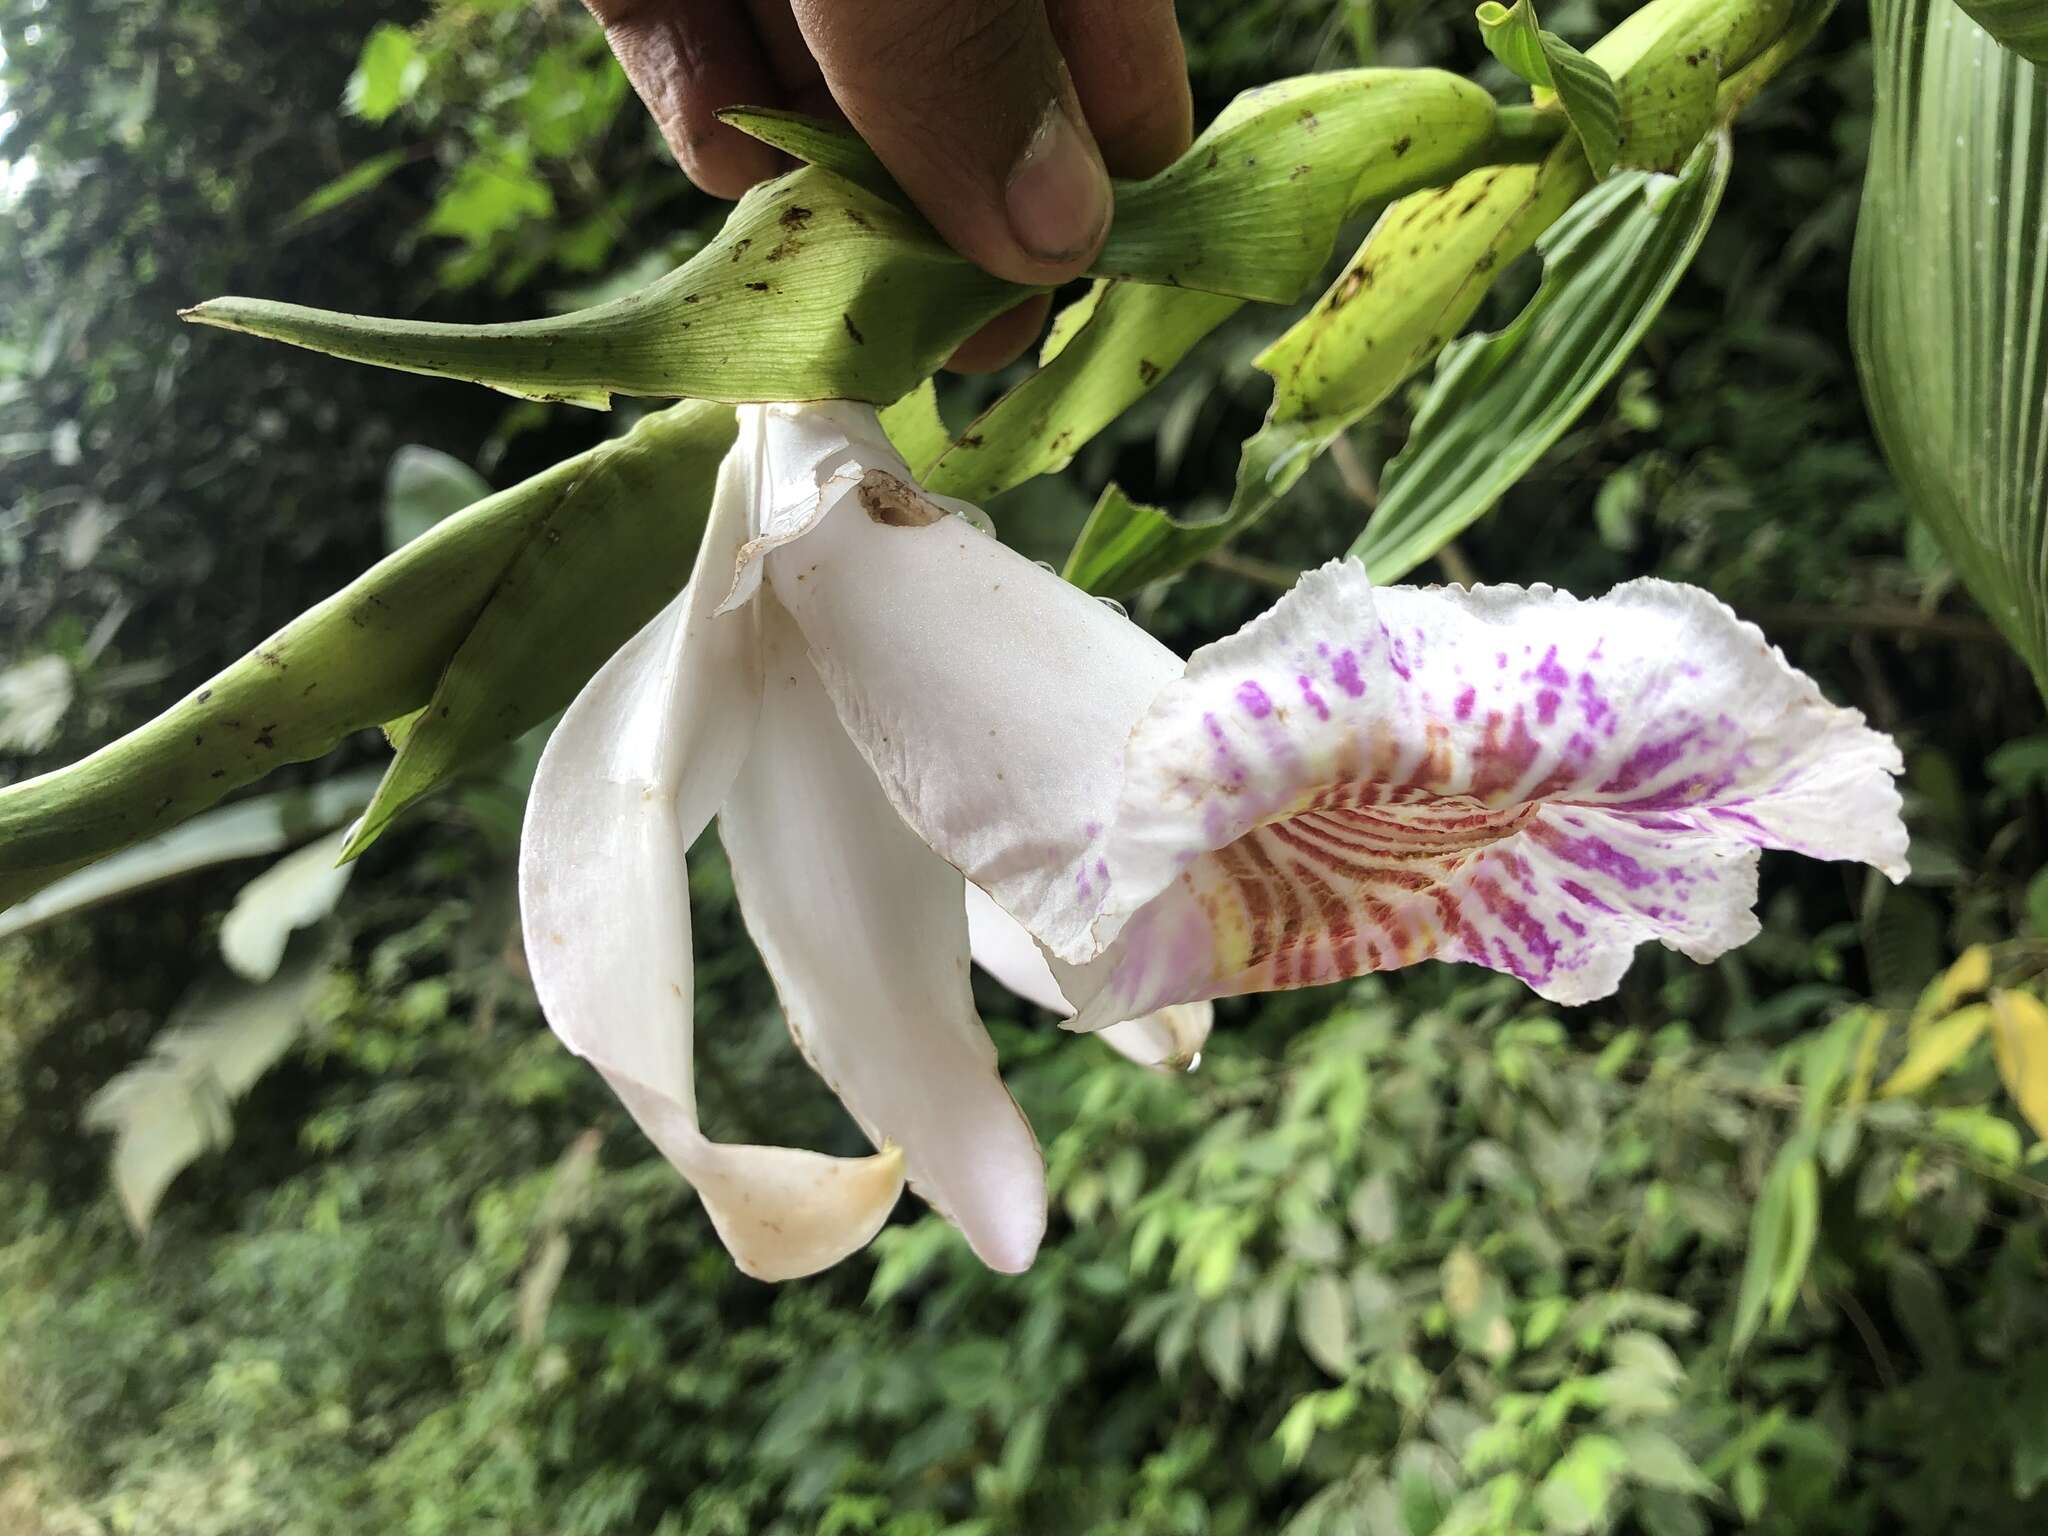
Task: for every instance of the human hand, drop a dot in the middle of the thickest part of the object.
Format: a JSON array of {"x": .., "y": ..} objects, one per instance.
[{"x": 1000, "y": 119}]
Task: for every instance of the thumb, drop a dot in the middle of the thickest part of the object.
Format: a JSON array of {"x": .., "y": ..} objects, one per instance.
[{"x": 969, "y": 105}]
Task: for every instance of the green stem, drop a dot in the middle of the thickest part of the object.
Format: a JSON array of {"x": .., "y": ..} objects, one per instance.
[{"x": 1523, "y": 135}]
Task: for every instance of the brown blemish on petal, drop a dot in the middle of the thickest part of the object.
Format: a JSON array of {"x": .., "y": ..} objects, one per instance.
[{"x": 892, "y": 503}]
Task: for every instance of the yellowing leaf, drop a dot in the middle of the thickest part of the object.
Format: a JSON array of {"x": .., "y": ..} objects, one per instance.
[
  {"x": 1970, "y": 975},
  {"x": 2019, "y": 1041},
  {"x": 1939, "y": 1048}
]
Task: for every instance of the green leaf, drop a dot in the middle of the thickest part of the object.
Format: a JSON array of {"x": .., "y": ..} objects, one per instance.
[
  {"x": 1657, "y": 1461},
  {"x": 387, "y": 73},
  {"x": 611, "y": 547},
  {"x": 1131, "y": 336},
  {"x": 1415, "y": 281},
  {"x": 2021, "y": 25},
  {"x": 172, "y": 1106},
  {"x": 490, "y": 194},
  {"x": 1322, "y": 1320},
  {"x": 814, "y": 289},
  {"x": 350, "y": 184},
  {"x": 915, "y": 427},
  {"x": 1949, "y": 301},
  {"x": 1584, "y": 89},
  {"x": 1681, "y": 65},
  {"x": 1574, "y": 1496},
  {"x": 421, "y": 487},
  {"x": 373, "y": 652},
  {"x": 1254, "y": 206},
  {"x": 1781, "y": 1237},
  {"x": 1499, "y": 402},
  {"x": 245, "y": 830}
]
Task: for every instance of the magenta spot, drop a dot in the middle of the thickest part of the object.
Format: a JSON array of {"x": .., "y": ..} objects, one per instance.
[
  {"x": 1252, "y": 699},
  {"x": 1550, "y": 672},
  {"x": 1647, "y": 761},
  {"x": 1596, "y": 854},
  {"x": 1397, "y": 656},
  {"x": 1311, "y": 698},
  {"x": 1466, "y": 699},
  {"x": 1582, "y": 896},
  {"x": 1092, "y": 830},
  {"x": 1101, "y": 869},
  {"x": 1344, "y": 672},
  {"x": 1522, "y": 923},
  {"x": 1500, "y": 658},
  {"x": 1546, "y": 706},
  {"x": 1572, "y": 923},
  {"x": 1591, "y": 705}
]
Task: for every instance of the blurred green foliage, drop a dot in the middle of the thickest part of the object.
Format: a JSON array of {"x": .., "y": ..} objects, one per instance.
[{"x": 1413, "y": 1256}]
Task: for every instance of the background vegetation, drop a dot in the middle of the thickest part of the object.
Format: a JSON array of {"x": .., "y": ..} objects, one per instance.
[{"x": 1416, "y": 1255}]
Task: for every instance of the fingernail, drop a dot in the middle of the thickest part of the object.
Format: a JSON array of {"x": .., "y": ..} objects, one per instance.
[{"x": 1058, "y": 196}]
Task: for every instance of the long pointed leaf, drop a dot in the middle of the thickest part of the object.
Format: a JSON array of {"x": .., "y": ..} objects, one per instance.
[
  {"x": 2021, "y": 25},
  {"x": 1950, "y": 301}
]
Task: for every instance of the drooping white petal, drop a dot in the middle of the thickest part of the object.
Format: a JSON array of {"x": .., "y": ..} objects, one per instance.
[
  {"x": 1170, "y": 1039},
  {"x": 991, "y": 698},
  {"x": 865, "y": 932},
  {"x": 630, "y": 776},
  {"x": 1360, "y": 780}
]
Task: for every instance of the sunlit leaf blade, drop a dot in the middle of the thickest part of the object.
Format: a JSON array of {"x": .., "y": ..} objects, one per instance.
[
  {"x": 608, "y": 551},
  {"x": 2021, "y": 25},
  {"x": 372, "y": 653},
  {"x": 1584, "y": 89},
  {"x": 1949, "y": 296},
  {"x": 814, "y": 289},
  {"x": 1130, "y": 339},
  {"x": 1498, "y": 402},
  {"x": 245, "y": 830},
  {"x": 173, "y": 1106},
  {"x": 2019, "y": 1038}
]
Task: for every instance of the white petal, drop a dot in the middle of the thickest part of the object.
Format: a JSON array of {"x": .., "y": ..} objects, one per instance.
[
  {"x": 1003, "y": 949},
  {"x": 991, "y": 698},
  {"x": 865, "y": 932},
  {"x": 630, "y": 776},
  {"x": 1169, "y": 1040},
  {"x": 1357, "y": 781}
]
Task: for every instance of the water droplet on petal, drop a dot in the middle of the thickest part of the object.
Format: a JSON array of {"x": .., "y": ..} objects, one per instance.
[{"x": 1114, "y": 607}]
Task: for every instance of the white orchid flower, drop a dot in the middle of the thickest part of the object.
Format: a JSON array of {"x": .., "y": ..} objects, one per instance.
[
  {"x": 1356, "y": 781},
  {"x": 888, "y": 699},
  {"x": 863, "y": 928}
]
